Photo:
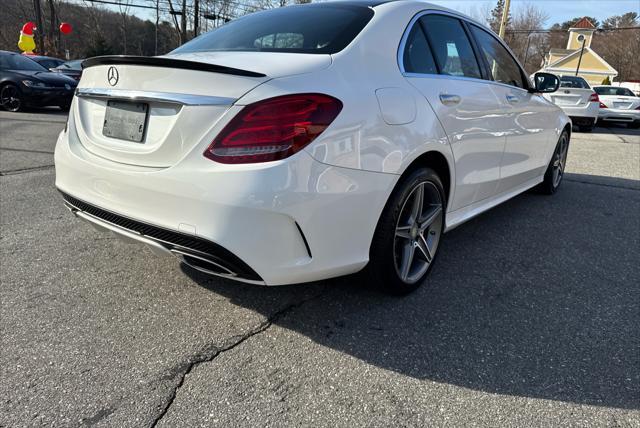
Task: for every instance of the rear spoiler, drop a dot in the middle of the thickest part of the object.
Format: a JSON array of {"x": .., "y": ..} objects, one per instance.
[{"x": 155, "y": 61}]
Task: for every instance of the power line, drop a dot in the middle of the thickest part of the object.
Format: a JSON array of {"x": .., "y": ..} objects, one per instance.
[{"x": 599, "y": 30}]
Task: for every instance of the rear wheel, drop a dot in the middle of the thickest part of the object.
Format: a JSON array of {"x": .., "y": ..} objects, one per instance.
[
  {"x": 408, "y": 234},
  {"x": 634, "y": 125},
  {"x": 11, "y": 98},
  {"x": 555, "y": 171}
]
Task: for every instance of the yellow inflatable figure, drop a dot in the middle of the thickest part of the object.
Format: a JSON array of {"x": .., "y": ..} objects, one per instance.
[{"x": 25, "y": 42}]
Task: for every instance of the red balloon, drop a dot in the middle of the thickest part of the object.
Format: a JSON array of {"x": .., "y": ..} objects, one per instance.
[{"x": 65, "y": 28}]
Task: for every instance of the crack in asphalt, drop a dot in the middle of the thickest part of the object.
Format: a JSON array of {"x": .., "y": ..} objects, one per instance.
[
  {"x": 212, "y": 352},
  {"x": 25, "y": 170},
  {"x": 10, "y": 149}
]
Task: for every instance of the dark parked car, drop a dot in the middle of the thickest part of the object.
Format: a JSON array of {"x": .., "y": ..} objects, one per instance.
[
  {"x": 72, "y": 69},
  {"x": 47, "y": 61},
  {"x": 24, "y": 82}
]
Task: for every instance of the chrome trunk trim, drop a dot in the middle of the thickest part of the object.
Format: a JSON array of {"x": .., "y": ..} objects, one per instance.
[{"x": 154, "y": 97}]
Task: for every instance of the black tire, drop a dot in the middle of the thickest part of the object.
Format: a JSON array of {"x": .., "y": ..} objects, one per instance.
[
  {"x": 11, "y": 98},
  {"x": 65, "y": 106},
  {"x": 388, "y": 249},
  {"x": 588, "y": 128},
  {"x": 633, "y": 125},
  {"x": 551, "y": 181}
]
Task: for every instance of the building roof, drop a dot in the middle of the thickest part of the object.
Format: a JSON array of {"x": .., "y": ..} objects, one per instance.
[
  {"x": 584, "y": 23},
  {"x": 555, "y": 51}
]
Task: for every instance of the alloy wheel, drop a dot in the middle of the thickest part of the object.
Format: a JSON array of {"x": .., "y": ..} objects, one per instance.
[
  {"x": 10, "y": 98},
  {"x": 418, "y": 232},
  {"x": 560, "y": 159}
]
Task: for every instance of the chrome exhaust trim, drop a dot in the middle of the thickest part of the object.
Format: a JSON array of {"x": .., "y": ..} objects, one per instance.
[{"x": 125, "y": 235}]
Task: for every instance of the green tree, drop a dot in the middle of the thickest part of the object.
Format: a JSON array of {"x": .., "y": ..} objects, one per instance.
[{"x": 606, "y": 81}]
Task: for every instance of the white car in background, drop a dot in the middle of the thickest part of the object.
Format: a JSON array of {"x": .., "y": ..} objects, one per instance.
[
  {"x": 578, "y": 100},
  {"x": 618, "y": 104},
  {"x": 310, "y": 141}
]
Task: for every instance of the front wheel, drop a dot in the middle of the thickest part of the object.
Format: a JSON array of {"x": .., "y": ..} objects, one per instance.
[
  {"x": 11, "y": 98},
  {"x": 555, "y": 171},
  {"x": 408, "y": 234}
]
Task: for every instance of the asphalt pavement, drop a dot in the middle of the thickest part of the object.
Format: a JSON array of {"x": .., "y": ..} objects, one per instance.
[{"x": 530, "y": 317}]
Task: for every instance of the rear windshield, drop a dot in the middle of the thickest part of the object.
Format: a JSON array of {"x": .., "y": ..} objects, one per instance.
[
  {"x": 573, "y": 82},
  {"x": 613, "y": 90},
  {"x": 316, "y": 28}
]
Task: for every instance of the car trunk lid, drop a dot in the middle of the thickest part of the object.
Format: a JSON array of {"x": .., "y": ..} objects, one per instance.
[
  {"x": 621, "y": 102},
  {"x": 571, "y": 96},
  {"x": 152, "y": 111}
]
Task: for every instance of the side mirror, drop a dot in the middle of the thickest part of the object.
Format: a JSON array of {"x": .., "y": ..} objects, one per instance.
[{"x": 545, "y": 82}]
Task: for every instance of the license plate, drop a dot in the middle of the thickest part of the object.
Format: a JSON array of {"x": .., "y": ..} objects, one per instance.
[
  {"x": 565, "y": 100},
  {"x": 621, "y": 105},
  {"x": 125, "y": 120}
]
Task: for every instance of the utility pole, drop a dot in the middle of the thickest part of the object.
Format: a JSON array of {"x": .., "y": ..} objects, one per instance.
[
  {"x": 155, "y": 52},
  {"x": 183, "y": 22},
  {"x": 584, "y": 40},
  {"x": 196, "y": 17},
  {"x": 526, "y": 51},
  {"x": 505, "y": 17},
  {"x": 40, "y": 31}
]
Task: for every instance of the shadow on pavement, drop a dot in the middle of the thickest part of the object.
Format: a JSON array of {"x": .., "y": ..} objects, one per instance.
[
  {"x": 537, "y": 298},
  {"x": 615, "y": 128}
]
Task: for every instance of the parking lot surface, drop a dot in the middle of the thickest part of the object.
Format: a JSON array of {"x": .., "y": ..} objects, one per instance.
[{"x": 530, "y": 317}]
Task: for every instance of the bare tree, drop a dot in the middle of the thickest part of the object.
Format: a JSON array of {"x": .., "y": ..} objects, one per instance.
[
  {"x": 619, "y": 44},
  {"x": 124, "y": 7},
  {"x": 528, "y": 45}
]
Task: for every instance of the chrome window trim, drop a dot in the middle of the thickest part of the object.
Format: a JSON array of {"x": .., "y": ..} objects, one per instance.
[
  {"x": 405, "y": 36},
  {"x": 152, "y": 96}
]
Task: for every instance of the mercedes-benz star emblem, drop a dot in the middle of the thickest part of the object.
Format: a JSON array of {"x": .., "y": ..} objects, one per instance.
[{"x": 113, "y": 76}]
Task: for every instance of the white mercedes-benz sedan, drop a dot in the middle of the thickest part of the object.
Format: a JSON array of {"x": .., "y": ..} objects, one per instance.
[{"x": 310, "y": 141}]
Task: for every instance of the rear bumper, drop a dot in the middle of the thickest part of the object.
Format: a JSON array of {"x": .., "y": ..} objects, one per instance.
[
  {"x": 618, "y": 115},
  {"x": 289, "y": 221},
  {"x": 196, "y": 252},
  {"x": 589, "y": 110}
]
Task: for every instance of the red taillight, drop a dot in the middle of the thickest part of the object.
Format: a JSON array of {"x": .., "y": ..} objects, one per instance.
[
  {"x": 274, "y": 128},
  {"x": 594, "y": 97},
  {"x": 602, "y": 105}
]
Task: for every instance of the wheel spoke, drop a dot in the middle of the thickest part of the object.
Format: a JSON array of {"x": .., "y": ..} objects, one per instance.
[
  {"x": 403, "y": 232},
  {"x": 424, "y": 248},
  {"x": 407, "y": 260},
  {"x": 418, "y": 202},
  {"x": 431, "y": 217}
]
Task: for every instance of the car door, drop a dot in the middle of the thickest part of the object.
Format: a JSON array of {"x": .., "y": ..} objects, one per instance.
[
  {"x": 528, "y": 132},
  {"x": 439, "y": 60}
]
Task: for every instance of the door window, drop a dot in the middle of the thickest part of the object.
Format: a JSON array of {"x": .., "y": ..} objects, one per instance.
[
  {"x": 451, "y": 47},
  {"x": 417, "y": 56},
  {"x": 502, "y": 66}
]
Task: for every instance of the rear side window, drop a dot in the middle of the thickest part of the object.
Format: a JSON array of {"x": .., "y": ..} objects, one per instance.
[
  {"x": 502, "y": 66},
  {"x": 417, "y": 54},
  {"x": 316, "y": 28},
  {"x": 451, "y": 47}
]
